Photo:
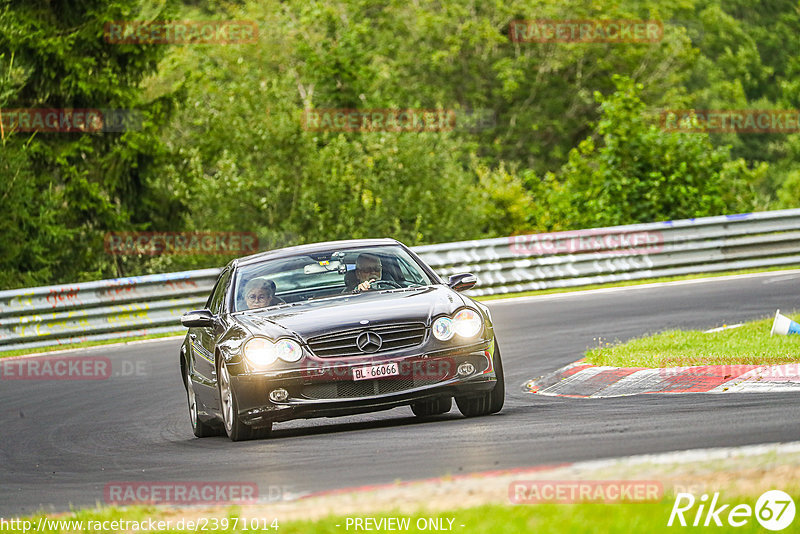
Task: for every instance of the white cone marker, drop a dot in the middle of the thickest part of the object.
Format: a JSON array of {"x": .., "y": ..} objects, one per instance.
[{"x": 784, "y": 326}]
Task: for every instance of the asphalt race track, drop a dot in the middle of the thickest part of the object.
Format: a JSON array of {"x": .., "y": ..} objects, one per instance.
[{"x": 62, "y": 441}]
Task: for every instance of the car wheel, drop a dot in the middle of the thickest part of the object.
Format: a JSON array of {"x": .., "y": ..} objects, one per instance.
[
  {"x": 236, "y": 429},
  {"x": 200, "y": 429},
  {"x": 435, "y": 406},
  {"x": 489, "y": 402}
]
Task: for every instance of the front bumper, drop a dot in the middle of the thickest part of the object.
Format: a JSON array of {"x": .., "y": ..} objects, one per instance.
[{"x": 326, "y": 388}]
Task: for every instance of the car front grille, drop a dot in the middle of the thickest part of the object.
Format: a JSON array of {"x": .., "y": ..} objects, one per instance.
[
  {"x": 394, "y": 336},
  {"x": 362, "y": 388}
]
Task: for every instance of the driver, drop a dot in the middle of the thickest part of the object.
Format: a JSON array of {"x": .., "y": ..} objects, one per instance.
[
  {"x": 368, "y": 270},
  {"x": 260, "y": 293}
]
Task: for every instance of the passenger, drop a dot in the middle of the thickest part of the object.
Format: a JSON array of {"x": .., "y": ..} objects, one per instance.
[{"x": 260, "y": 293}]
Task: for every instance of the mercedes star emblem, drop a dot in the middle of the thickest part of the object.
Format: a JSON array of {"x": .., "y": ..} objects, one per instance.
[{"x": 369, "y": 342}]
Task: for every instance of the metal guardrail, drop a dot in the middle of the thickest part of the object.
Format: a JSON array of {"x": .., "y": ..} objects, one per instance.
[
  {"x": 137, "y": 306},
  {"x": 102, "y": 310}
]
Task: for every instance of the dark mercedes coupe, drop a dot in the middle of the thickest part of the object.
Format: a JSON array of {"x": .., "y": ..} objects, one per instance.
[{"x": 333, "y": 329}]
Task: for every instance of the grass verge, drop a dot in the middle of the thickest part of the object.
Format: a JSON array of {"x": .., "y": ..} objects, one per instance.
[
  {"x": 481, "y": 503},
  {"x": 622, "y": 518},
  {"x": 750, "y": 344}
]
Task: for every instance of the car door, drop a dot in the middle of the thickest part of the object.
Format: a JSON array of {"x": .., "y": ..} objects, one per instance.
[{"x": 203, "y": 340}]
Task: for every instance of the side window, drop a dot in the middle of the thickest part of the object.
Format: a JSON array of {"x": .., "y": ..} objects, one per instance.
[
  {"x": 217, "y": 297},
  {"x": 211, "y": 295}
]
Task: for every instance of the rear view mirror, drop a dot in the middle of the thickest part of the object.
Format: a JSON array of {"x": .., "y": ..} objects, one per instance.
[
  {"x": 462, "y": 282},
  {"x": 321, "y": 267},
  {"x": 197, "y": 318}
]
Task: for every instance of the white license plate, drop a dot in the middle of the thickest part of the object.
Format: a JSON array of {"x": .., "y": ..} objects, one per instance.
[{"x": 375, "y": 371}]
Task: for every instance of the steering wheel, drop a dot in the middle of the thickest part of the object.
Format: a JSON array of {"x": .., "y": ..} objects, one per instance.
[{"x": 391, "y": 283}]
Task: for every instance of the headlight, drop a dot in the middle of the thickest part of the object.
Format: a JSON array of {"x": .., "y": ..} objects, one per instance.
[
  {"x": 443, "y": 328},
  {"x": 467, "y": 323},
  {"x": 288, "y": 350},
  {"x": 260, "y": 352}
]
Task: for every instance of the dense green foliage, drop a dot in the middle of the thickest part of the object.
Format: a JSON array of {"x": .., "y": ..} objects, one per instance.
[
  {"x": 574, "y": 141},
  {"x": 641, "y": 173},
  {"x": 59, "y": 192}
]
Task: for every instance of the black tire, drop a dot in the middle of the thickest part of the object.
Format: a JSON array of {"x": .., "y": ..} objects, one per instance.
[
  {"x": 435, "y": 406},
  {"x": 200, "y": 429},
  {"x": 489, "y": 402},
  {"x": 234, "y": 427}
]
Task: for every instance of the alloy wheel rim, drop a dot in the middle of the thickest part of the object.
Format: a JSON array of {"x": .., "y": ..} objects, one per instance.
[
  {"x": 192, "y": 401},
  {"x": 225, "y": 394}
]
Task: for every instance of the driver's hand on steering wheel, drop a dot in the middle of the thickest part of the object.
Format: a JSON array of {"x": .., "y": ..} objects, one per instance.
[{"x": 364, "y": 286}]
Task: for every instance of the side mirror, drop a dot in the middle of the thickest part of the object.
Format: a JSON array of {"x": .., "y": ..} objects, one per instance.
[
  {"x": 197, "y": 318},
  {"x": 462, "y": 282}
]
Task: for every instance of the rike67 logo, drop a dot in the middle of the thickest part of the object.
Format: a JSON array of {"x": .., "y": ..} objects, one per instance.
[{"x": 774, "y": 510}]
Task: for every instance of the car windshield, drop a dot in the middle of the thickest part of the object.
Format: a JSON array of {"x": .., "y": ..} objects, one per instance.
[{"x": 329, "y": 273}]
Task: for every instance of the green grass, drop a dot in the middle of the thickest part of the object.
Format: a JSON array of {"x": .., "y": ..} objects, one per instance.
[
  {"x": 545, "y": 519},
  {"x": 620, "y": 518},
  {"x": 748, "y": 344},
  {"x": 84, "y": 344},
  {"x": 739, "y": 479},
  {"x": 627, "y": 283}
]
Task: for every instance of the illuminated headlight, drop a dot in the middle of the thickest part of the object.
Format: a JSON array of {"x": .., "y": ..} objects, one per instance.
[
  {"x": 288, "y": 350},
  {"x": 443, "y": 328},
  {"x": 260, "y": 352},
  {"x": 467, "y": 323}
]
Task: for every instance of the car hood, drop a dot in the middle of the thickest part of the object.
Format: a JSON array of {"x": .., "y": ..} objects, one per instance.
[{"x": 317, "y": 317}]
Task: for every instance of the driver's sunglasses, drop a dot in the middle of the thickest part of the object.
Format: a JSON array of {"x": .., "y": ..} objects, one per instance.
[{"x": 370, "y": 269}]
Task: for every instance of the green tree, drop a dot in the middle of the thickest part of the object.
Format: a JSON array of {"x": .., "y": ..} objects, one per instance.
[
  {"x": 66, "y": 189},
  {"x": 639, "y": 173}
]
